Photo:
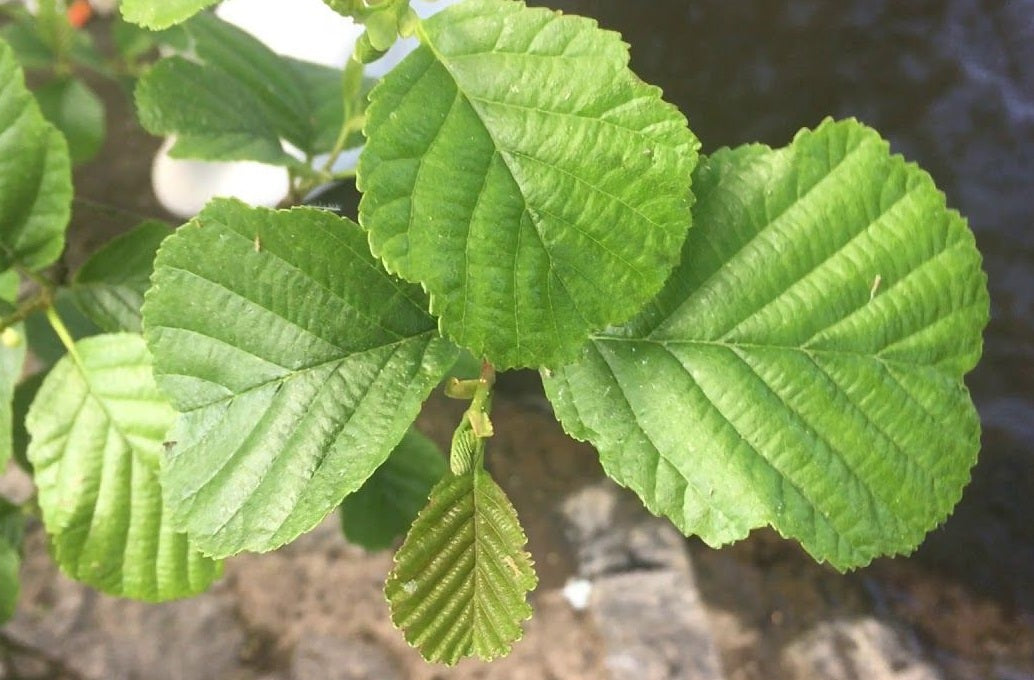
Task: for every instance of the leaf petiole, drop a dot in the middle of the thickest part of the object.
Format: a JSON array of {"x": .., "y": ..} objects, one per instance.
[{"x": 66, "y": 338}]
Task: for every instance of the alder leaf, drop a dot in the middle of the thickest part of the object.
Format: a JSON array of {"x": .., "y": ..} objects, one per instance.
[
  {"x": 461, "y": 578},
  {"x": 35, "y": 176},
  {"x": 109, "y": 288},
  {"x": 159, "y": 14},
  {"x": 803, "y": 366},
  {"x": 386, "y": 505},
  {"x": 230, "y": 97},
  {"x": 526, "y": 178},
  {"x": 213, "y": 116},
  {"x": 97, "y": 425},
  {"x": 296, "y": 361}
]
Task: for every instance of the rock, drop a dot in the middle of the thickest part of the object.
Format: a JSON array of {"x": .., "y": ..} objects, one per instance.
[
  {"x": 325, "y": 657},
  {"x": 643, "y": 599},
  {"x": 849, "y": 650},
  {"x": 106, "y": 638}
]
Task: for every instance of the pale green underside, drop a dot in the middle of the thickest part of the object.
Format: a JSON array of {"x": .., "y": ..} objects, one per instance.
[
  {"x": 461, "y": 578},
  {"x": 297, "y": 364},
  {"x": 96, "y": 441},
  {"x": 35, "y": 175},
  {"x": 526, "y": 178},
  {"x": 803, "y": 366}
]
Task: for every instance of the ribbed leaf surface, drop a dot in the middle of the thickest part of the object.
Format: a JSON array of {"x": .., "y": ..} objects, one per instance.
[
  {"x": 461, "y": 578},
  {"x": 97, "y": 430},
  {"x": 386, "y": 505},
  {"x": 35, "y": 175},
  {"x": 803, "y": 366},
  {"x": 296, "y": 361},
  {"x": 518, "y": 170}
]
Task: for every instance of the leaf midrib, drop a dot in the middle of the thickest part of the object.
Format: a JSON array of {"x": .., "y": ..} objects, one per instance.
[
  {"x": 287, "y": 376},
  {"x": 505, "y": 154}
]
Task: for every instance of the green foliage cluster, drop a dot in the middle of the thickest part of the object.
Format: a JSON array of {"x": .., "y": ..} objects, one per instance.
[{"x": 758, "y": 337}]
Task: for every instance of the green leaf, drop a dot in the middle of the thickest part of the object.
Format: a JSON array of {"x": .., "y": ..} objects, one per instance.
[
  {"x": 214, "y": 116},
  {"x": 35, "y": 176},
  {"x": 298, "y": 365},
  {"x": 235, "y": 99},
  {"x": 386, "y": 505},
  {"x": 156, "y": 14},
  {"x": 110, "y": 286},
  {"x": 23, "y": 36},
  {"x": 803, "y": 367},
  {"x": 532, "y": 183},
  {"x": 77, "y": 112},
  {"x": 460, "y": 579},
  {"x": 12, "y": 524},
  {"x": 97, "y": 427}
]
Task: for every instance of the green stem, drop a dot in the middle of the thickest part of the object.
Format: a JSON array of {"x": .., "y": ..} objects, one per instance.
[{"x": 66, "y": 338}]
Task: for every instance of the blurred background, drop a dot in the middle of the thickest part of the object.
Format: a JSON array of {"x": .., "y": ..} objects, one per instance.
[{"x": 951, "y": 84}]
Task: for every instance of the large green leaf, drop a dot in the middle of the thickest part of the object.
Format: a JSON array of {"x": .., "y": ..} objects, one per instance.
[
  {"x": 803, "y": 367},
  {"x": 298, "y": 365},
  {"x": 518, "y": 170},
  {"x": 110, "y": 286},
  {"x": 12, "y": 524},
  {"x": 157, "y": 14},
  {"x": 35, "y": 176},
  {"x": 461, "y": 578},
  {"x": 234, "y": 99},
  {"x": 386, "y": 505},
  {"x": 97, "y": 426}
]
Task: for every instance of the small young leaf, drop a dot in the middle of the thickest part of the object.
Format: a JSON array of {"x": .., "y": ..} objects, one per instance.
[
  {"x": 97, "y": 426},
  {"x": 532, "y": 183},
  {"x": 12, "y": 524},
  {"x": 35, "y": 176},
  {"x": 461, "y": 578},
  {"x": 157, "y": 14},
  {"x": 769, "y": 383},
  {"x": 77, "y": 112},
  {"x": 386, "y": 505},
  {"x": 110, "y": 287},
  {"x": 297, "y": 367}
]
